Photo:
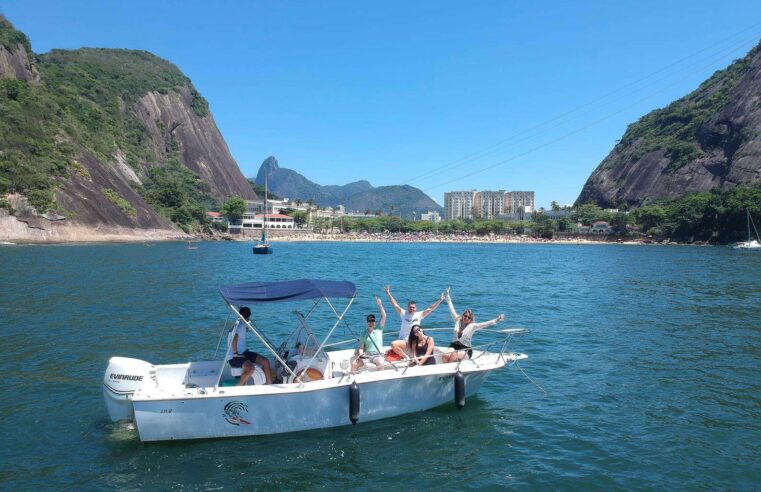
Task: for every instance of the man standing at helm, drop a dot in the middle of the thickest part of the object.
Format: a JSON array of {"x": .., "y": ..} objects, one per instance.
[
  {"x": 410, "y": 316},
  {"x": 239, "y": 356}
]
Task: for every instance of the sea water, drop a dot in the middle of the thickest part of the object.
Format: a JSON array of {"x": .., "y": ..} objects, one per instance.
[{"x": 645, "y": 363}]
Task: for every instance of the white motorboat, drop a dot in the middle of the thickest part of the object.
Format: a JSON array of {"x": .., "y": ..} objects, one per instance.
[{"x": 314, "y": 386}]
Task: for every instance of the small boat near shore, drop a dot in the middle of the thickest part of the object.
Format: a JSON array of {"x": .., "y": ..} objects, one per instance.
[
  {"x": 313, "y": 387},
  {"x": 750, "y": 243}
]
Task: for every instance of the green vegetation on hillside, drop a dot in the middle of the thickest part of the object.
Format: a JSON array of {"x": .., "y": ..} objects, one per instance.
[
  {"x": 120, "y": 202},
  {"x": 32, "y": 153},
  {"x": 83, "y": 104},
  {"x": 259, "y": 190},
  {"x": 674, "y": 128},
  {"x": 10, "y": 37},
  {"x": 716, "y": 216},
  {"x": 178, "y": 194},
  {"x": 96, "y": 90}
]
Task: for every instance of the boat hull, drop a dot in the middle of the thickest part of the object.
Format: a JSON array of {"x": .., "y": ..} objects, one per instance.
[
  {"x": 262, "y": 250},
  {"x": 296, "y": 409}
]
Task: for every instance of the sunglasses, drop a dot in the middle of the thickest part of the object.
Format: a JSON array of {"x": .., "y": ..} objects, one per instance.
[{"x": 467, "y": 316}]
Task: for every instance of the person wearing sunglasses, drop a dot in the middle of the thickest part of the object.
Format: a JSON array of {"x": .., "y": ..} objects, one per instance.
[
  {"x": 464, "y": 327},
  {"x": 371, "y": 342},
  {"x": 421, "y": 346}
]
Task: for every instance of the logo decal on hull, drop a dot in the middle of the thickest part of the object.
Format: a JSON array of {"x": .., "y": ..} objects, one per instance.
[{"x": 233, "y": 412}]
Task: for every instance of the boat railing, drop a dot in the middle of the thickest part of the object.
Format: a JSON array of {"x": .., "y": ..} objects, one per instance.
[{"x": 483, "y": 348}]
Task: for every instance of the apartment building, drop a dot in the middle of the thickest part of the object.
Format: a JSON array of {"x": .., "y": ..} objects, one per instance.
[
  {"x": 458, "y": 205},
  {"x": 489, "y": 204},
  {"x": 518, "y": 201}
]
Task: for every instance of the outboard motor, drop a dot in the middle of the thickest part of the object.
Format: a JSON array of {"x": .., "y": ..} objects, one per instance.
[{"x": 122, "y": 378}]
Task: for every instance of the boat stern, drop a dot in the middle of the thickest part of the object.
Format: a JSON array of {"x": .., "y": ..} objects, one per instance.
[{"x": 122, "y": 378}]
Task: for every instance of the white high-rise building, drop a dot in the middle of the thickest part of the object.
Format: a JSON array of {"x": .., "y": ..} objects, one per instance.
[
  {"x": 431, "y": 217},
  {"x": 489, "y": 204},
  {"x": 458, "y": 205}
]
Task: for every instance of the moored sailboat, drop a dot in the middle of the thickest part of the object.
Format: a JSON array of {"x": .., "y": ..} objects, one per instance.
[
  {"x": 750, "y": 243},
  {"x": 263, "y": 247}
]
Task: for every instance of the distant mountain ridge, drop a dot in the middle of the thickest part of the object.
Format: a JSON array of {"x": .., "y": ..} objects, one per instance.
[
  {"x": 710, "y": 138},
  {"x": 358, "y": 195}
]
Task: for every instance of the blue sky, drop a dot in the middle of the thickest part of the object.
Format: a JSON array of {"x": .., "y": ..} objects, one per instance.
[{"x": 513, "y": 95}]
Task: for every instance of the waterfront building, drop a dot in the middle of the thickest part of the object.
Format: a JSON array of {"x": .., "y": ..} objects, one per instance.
[
  {"x": 458, "y": 205},
  {"x": 601, "y": 227},
  {"x": 429, "y": 216},
  {"x": 215, "y": 216},
  {"x": 489, "y": 204},
  {"x": 517, "y": 201}
]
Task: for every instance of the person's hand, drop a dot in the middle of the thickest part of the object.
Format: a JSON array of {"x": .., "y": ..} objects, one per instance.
[
  {"x": 442, "y": 297},
  {"x": 387, "y": 289},
  {"x": 378, "y": 301},
  {"x": 501, "y": 317},
  {"x": 447, "y": 291}
]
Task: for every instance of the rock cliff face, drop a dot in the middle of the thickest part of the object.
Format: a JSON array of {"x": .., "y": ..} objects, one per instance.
[
  {"x": 203, "y": 149},
  {"x": 83, "y": 132},
  {"x": 15, "y": 63},
  {"x": 359, "y": 195},
  {"x": 708, "y": 139}
]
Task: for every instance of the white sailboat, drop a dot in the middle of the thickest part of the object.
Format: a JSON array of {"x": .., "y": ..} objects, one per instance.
[
  {"x": 314, "y": 388},
  {"x": 263, "y": 247},
  {"x": 750, "y": 243}
]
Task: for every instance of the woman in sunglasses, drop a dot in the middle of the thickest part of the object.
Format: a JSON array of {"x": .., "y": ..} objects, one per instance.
[
  {"x": 464, "y": 328},
  {"x": 422, "y": 346}
]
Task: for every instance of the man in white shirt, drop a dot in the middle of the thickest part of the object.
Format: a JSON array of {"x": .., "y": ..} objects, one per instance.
[
  {"x": 410, "y": 316},
  {"x": 239, "y": 356}
]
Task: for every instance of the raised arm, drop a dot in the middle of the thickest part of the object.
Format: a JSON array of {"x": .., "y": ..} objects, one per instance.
[
  {"x": 382, "y": 311},
  {"x": 393, "y": 301},
  {"x": 452, "y": 310},
  {"x": 491, "y": 322},
  {"x": 433, "y": 306}
]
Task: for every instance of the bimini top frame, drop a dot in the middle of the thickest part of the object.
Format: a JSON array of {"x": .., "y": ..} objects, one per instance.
[{"x": 290, "y": 290}]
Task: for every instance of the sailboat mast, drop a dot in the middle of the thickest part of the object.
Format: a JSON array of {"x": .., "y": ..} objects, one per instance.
[
  {"x": 747, "y": 214},
  {"x": 264, "y": 231}
]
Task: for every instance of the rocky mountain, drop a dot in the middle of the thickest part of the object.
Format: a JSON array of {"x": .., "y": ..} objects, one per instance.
[
  {"x": 106, "y": 141},
  {"x": 708, "y": 139},
  {"x": 359, "y": 195}
]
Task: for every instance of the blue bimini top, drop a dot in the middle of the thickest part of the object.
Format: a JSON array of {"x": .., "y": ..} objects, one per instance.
[{"x": 289, "y": 290}]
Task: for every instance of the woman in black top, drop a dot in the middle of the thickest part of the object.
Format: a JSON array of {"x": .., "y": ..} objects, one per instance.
[{"x": 422, "y": 346}]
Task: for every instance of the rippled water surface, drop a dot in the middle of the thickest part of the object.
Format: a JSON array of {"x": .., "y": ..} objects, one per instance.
[{"x": 650, "y": 358}]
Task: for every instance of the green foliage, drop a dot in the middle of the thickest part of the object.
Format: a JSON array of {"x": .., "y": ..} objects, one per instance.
[
  {"x": 717, "y": 216},
  {"x": 220, "y": 226},
  {"x": 199, "y": 104},
  {"x": 299, "y": 217},
  {"x": 84, "y": 104},
  {"x": 674, "y": 129},
  {"x": 120, "y": 202},
  {"x": 234, "y": 208},
  {"x": 10, "y": 37},
  {"x": 7, "y": 205},
  {"x": 31, "y": 157},
  {"x": 178, "y": 194},
  {"x": 259, "y": 190},
  {"x": 589, "y": 213}
]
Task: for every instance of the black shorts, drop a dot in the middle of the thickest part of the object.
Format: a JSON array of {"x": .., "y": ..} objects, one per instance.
[
  {"x": 461, "y": 346},
  {"x": 245, "y": 356}
]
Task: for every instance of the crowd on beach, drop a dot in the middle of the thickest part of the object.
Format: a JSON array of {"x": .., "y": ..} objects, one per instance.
[{"x": 419, "y": 237}]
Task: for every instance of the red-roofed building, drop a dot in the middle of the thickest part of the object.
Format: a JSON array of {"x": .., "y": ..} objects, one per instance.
[{"x": 215, "y": 216}]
